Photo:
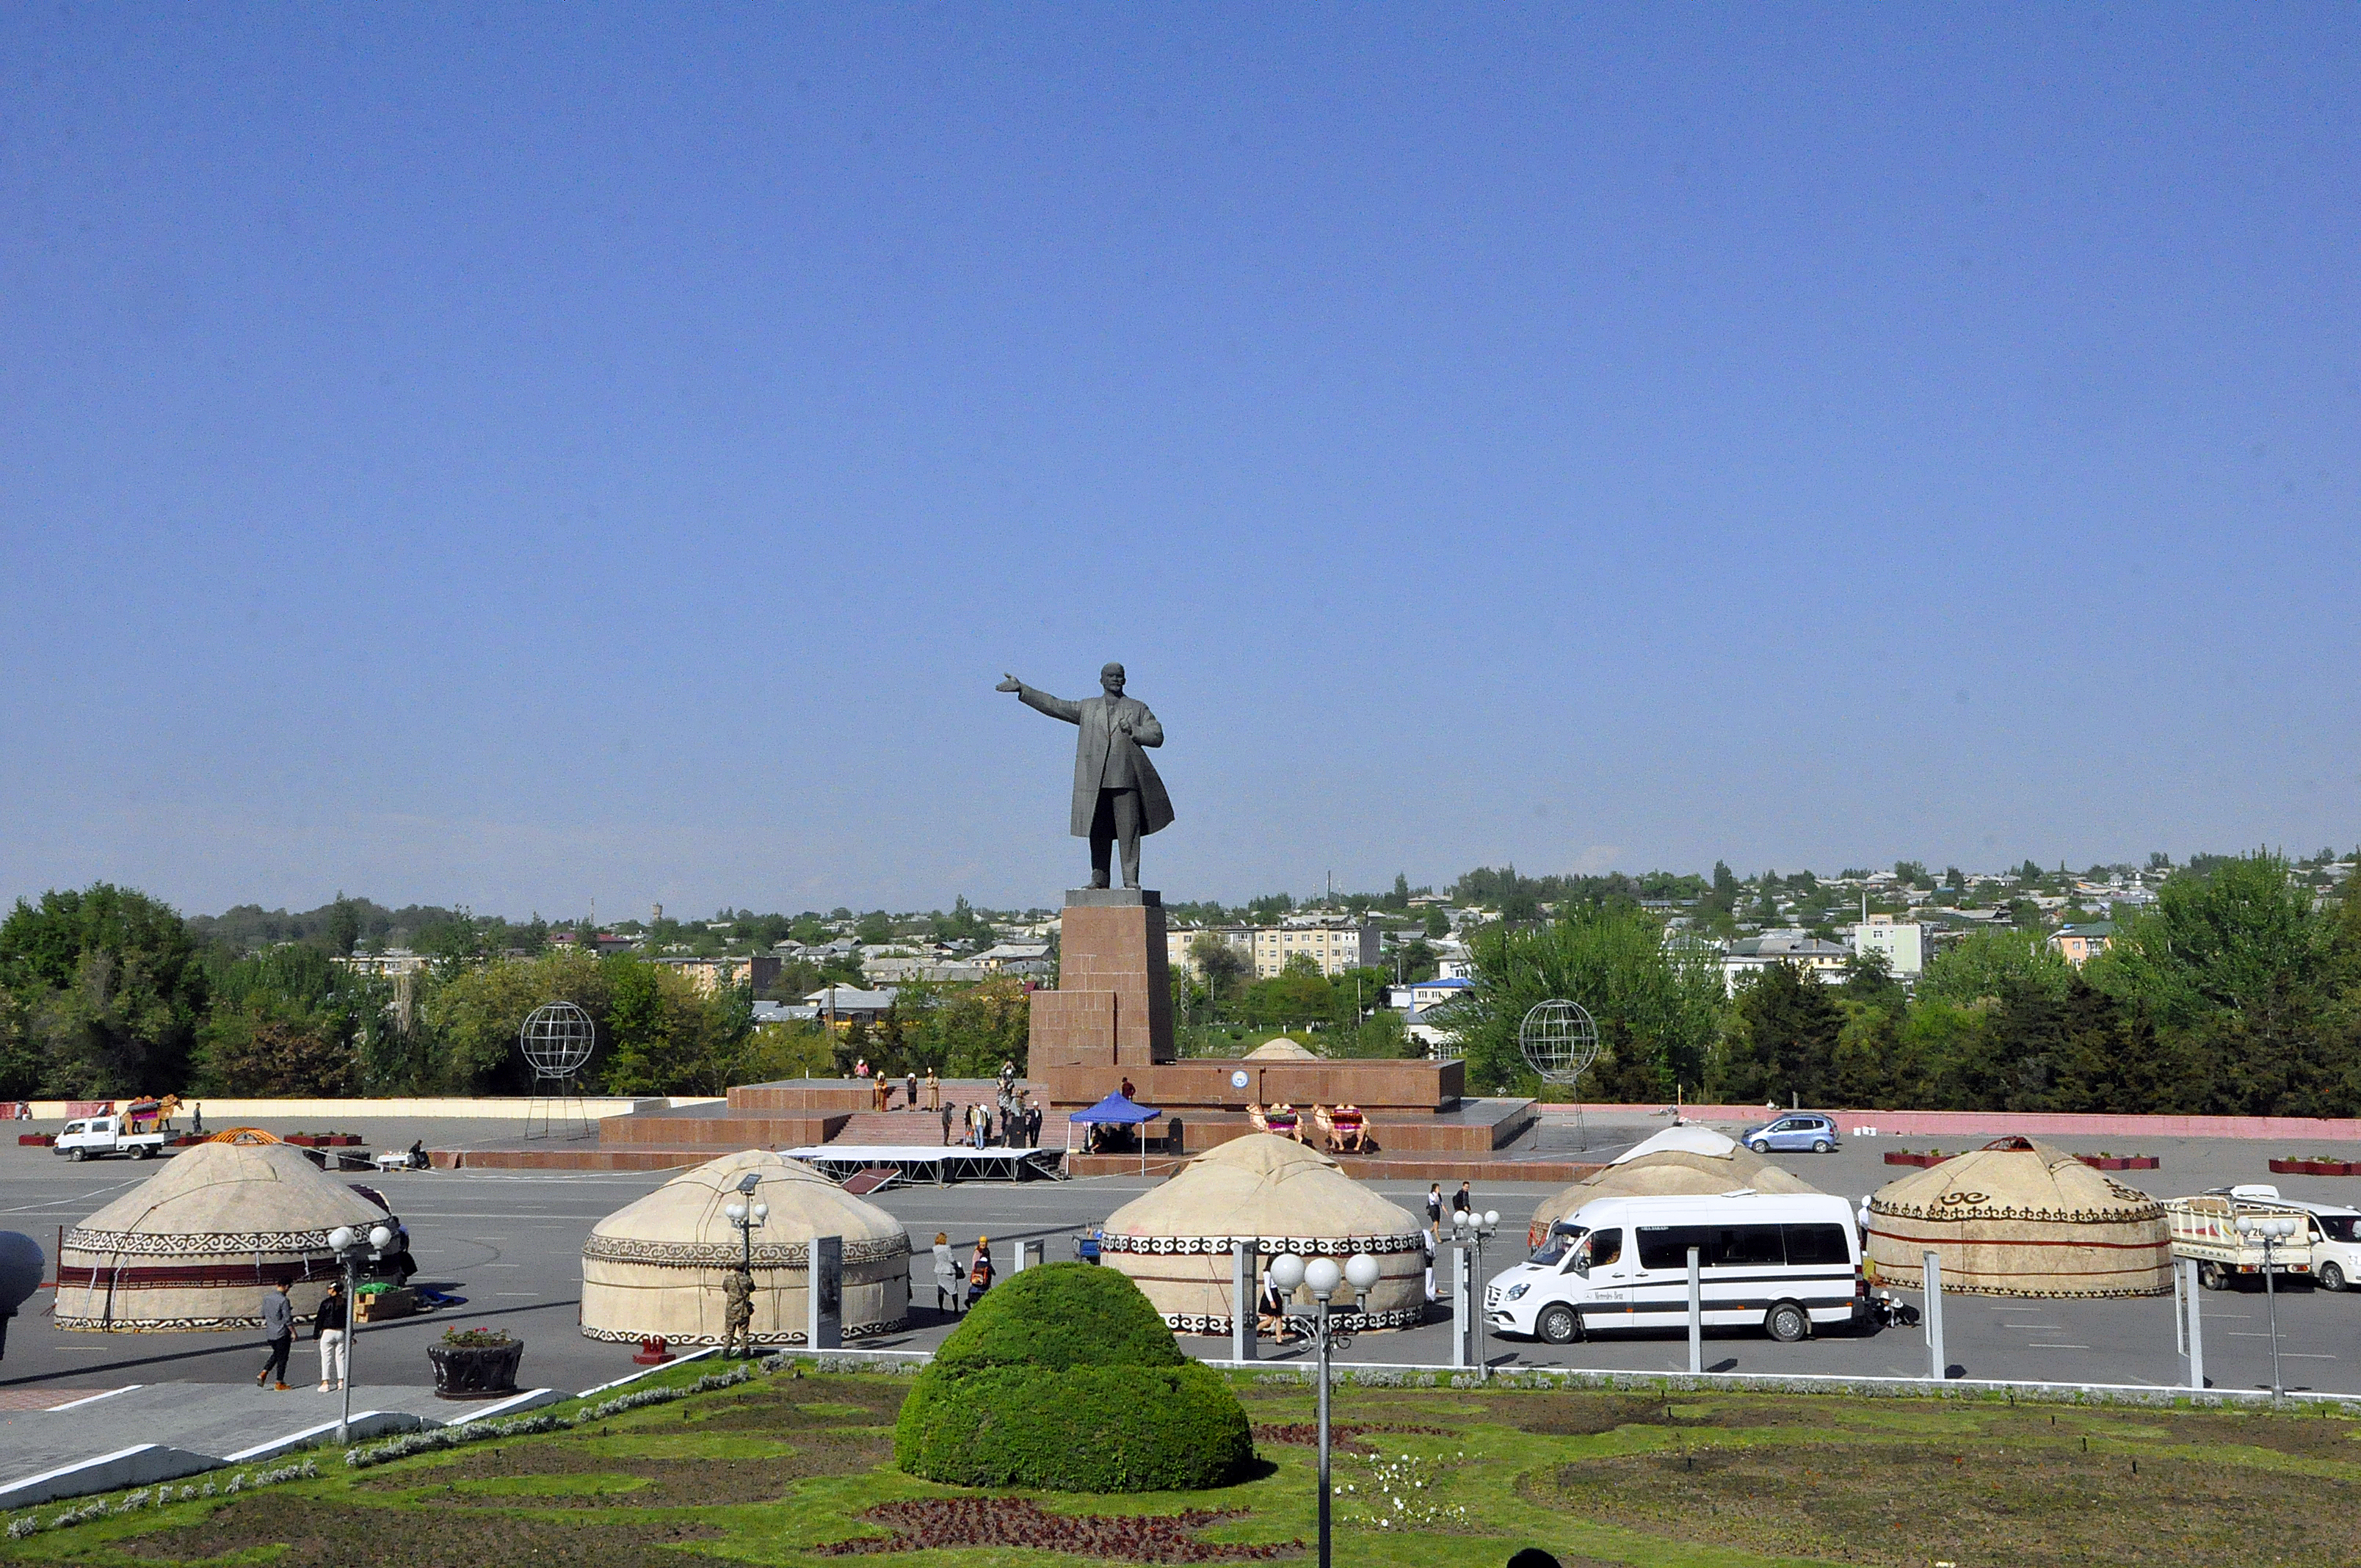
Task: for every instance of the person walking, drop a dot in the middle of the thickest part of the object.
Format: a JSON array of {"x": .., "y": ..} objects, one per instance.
[
  {"x": 737, "y": 1312},
  {"x": 934, "y": 1091},
  {"x": 910, "y": 1090},
  {"x": 1462, "y": 1201},
  {"x": 978, "y": 1271},
  {"x": 328, "y": 1325},
  {"x": 946, "y": 1113},
  {"x": 279, "y": 1330},
  {"x": 947, "y": 1276},
  {"x": 1434, "y": 1204}
]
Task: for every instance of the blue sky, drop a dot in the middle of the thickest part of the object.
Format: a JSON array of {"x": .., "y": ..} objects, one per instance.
[{"x": 520, "y": 456}]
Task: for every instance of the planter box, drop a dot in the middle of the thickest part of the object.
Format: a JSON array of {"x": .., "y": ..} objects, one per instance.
[
  {"x": 1898, "y": 1156},
  {"x": 37, "y": 1140},
  {"x": 468, "y": 1372},
  {"x": 2121, "y": 1161},
  {"x": 380, "y": 1306},
  {"x": 2315, "y": 1168}
]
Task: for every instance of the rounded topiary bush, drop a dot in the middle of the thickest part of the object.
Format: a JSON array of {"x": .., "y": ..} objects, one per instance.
[{"x": 1065, "y": 1378}]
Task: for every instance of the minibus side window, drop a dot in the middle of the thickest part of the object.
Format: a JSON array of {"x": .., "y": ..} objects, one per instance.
[
  {"x": 1598, "y": 1250},
  {"x": 1667, "y": 1247},
  {"x": 1816, "y": 1244},
  {"x": 1752, "y": 1246}
]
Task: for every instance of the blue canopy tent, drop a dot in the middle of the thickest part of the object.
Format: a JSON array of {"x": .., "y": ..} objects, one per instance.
[{"x": 1116, "y": 1110}]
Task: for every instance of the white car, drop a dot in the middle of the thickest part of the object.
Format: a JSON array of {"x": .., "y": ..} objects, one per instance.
[
  {"x": 97, "y": 1137},
  {"x": 1784, "y": 1262}
]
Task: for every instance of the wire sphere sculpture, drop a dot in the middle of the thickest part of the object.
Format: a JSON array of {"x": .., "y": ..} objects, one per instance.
[
  {"x": 557, "y": 1039},
  {"x": 1559, "y": 1040}
]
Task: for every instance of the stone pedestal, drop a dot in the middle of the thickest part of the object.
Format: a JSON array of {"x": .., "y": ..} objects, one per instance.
[{"x": 1113, "y": 1007}]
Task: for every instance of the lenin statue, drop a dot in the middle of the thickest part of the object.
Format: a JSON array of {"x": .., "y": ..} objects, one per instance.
[{"x": 1118, "y": 797}]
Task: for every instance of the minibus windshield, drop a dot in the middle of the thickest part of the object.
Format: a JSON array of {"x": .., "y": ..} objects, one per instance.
[{"x": 1552, "y": 1252}]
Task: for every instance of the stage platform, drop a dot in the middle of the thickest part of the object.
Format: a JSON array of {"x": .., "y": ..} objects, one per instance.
[{"x": 942, "y": 1166}]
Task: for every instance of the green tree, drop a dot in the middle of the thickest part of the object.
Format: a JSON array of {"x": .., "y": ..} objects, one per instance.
[
  {"x": 101, "y": 994},
  {"x": 1782, "y": 1048},
  {"x": 471, "y": 1018},
  {"x": 1985, "y": 964},
  {"x": 1657, "y": 1008},
  {"x": 1220, "y": 963}
]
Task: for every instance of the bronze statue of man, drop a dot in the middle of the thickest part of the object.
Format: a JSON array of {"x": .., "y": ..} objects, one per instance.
[{"x": 1118, "y": 797}]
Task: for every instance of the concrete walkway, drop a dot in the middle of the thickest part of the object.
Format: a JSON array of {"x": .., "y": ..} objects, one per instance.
[{"x": 161, "y": 1432}]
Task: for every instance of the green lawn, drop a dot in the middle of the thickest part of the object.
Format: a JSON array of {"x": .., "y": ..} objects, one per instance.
[{"x": 772, "y": 1469}]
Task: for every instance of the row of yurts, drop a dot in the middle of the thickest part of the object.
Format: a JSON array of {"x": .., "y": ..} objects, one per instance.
[{"x": 194, "y": 1246}]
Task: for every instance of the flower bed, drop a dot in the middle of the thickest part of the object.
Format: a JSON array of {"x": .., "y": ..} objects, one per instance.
[
  {"x": 2314, "y": 1165},
  {"x": 1904, "y": 1157},
  {"x": 323, "y": 1140},
  {"x": 921, "y": 1523},
  {"x": 37, "y": 1140}
]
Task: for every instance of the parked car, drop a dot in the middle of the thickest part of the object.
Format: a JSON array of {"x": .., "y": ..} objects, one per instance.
[
  {"x": 2326, "y": 1245},
  {"x": 97, "y": 1137},
  {"x": 1784, "y": 1262},
  {"x": 1793, "y": 1132}
]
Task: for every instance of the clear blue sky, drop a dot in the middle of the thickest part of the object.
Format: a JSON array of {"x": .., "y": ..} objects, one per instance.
[{"x": 515, "y": 456}]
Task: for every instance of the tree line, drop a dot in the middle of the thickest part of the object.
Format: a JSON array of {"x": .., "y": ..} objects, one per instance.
[
  {"x": 2237, "y": 992},
  {"x": 106, "y": 993}
]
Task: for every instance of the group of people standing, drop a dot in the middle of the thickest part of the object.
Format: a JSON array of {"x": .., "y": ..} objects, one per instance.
[
  {"x": 330, "y": 1326},
  {"x": 950, "y": 1297}
]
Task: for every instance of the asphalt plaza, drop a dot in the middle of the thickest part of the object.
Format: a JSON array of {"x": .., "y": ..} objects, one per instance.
[{"x": 509, "y": 1242}]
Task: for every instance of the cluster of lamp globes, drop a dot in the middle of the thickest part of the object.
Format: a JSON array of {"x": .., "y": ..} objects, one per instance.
[
  {"x": 739, "y": 1214},
  {"x": 1321, "y": 1275},
  {"x": 2278, "y": 1227},
  {"x": 1465, "y": 1222},
  {"x": 344, "y": 1238}
]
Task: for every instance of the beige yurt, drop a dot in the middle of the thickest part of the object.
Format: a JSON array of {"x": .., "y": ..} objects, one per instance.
[
  {"x": 197, "y": 1245},
  {"x": 657, "y": 1266},
  {"x": 1176, "y": 1243},
  {"x": 1280, "y": 1050},
  {"x": 2019, "y": 1218},
  {"x": 1684, "y": 1161}
]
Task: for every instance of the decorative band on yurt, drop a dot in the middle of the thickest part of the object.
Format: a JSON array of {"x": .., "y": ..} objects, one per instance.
[
  {"x": 1269, "y": 1246},
  {"x": 1345, "y": 1322},
  {"x": 727, "y": 1255}
]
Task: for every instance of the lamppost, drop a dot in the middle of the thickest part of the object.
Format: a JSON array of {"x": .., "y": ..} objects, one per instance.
[
  {"x": 1470, "y": 1229},
  {"x": 350, "y": 1246},
  {"x": 2272, "y": 1229},
  {"x": 1321, "y": 1276},
  {"x": 746, "y": 1213}
]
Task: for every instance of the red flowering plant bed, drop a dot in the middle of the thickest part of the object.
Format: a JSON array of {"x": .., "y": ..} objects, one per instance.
[
  {"x": 37, "y": 1140},
  {"x": 1343, "y": 1436},
  {"x": 1905, "y": 1157},
  {"x": 2314, "y": 1165},
  {"x": 925, "y": 1523},
  {"x": 2103, "y": 1161}
]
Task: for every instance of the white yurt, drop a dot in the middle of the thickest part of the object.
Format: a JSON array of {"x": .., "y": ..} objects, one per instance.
[
  {"x": 1280, "y": 1050},
  {"x": 1685, "y": 1161},
  {"x": 197, "y": 1245},
  {"x": 655, "y": 1266},
  {"x": 2020, "y": 1218},
  {"x": 1175, "y": 1243}
]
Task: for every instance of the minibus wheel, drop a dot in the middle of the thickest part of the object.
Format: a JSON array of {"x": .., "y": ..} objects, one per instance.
[
  {"x": 1787, "y": 1322},
  {"x": 1559, "y": 1325}
]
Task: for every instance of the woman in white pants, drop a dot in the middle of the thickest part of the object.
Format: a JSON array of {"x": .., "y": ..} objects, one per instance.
[{"x": 330, "y": 1325}]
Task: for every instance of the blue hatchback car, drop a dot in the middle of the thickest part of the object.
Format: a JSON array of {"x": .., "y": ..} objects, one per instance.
[{"x": 1794, "y": 1132}]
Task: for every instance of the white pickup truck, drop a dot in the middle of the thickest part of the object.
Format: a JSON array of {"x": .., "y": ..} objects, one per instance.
[
  {"x": 2326, "y": 1245},
  {"x": 97, "y": 1137}
]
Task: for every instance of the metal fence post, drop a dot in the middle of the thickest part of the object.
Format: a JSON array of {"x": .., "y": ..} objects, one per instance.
[
  {"x": 1245, "y": 1299},
  {"x": 1463, "y": 1310},
  {"x": 2196, "y": 1323},
  {"x": 1939, "y": 1366},
  {"x": 1697, "y": 1315}
]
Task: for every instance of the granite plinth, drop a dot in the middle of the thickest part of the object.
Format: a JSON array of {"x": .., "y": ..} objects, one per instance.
[{"x": 1113, "y": 1007}]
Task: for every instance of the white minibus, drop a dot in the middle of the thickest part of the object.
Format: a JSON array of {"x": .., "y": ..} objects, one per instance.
[{"x": 1785, "y": 1261}]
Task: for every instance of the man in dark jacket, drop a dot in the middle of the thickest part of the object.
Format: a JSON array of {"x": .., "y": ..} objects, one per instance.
[{"x": 278, "y": 1328}]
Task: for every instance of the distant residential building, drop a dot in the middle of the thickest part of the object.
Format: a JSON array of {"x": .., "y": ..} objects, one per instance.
[
  {"x": 2078, "y": 945},
  {"x": 1177, "y": 945},
  {"x": 1423, "y": 996},
  {"x": 1334, "y": 946},
  {"x": 933, "y": 971},
  {"x": 393, "y": 962},
  {"x": 711, "y": 974},
  {"x": 1024, "y": 955},
  {"x": 1903, "y": 943},
  {"x": 1750, "y": 955},
  {"x": 842, "y": 1004}
]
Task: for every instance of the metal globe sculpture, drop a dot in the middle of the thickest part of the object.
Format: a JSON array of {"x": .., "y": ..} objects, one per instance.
[
  {"x": 556, "y": 1040},
  {"x": 1559, "y": 1040}
]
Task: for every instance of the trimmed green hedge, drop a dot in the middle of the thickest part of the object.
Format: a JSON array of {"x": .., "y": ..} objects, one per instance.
[{"x": 1064, "y": 1379}]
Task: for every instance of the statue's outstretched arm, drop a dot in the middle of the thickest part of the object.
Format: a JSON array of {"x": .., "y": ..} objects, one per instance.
[{"x": 1040, "y": 701}]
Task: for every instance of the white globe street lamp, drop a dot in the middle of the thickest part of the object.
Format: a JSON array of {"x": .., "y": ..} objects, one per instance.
[
  {"x": 1321, "y": 1276},
  {"x": 2272, "y": 1229},
  {"x": 1470, "y": 1229}
]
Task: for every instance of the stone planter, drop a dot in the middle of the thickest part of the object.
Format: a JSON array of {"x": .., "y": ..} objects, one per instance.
[
  {"x": 2300, "y": 1166},
  {"x": 475, "y": 1372},
  {"x": 1902, "y": 1157},
  {"x": 37, "y": 1140},
  {"x": 2121, "y": 1161}
]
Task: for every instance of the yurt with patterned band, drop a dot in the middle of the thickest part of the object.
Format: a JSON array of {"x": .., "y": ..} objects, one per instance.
[
  {"x": 1685, "y": 1161},
  {"x": 197, "y": 1245},
  {"x": 1276, "y": 1195},
  {"x": 657, "y": 1266},
  {"x": 2020, "y": 1218}
]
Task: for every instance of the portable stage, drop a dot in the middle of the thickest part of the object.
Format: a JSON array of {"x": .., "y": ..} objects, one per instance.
[{"x": 944, "y": 1165}]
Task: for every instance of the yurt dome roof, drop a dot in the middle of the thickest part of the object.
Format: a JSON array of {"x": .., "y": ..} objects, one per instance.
[
  {"x": 1280, "y": 1050},
  {"x": 239, "y": 1192},
  {"x": 1265, "y": 1186},
  {"x": 1676, "y": 1162},
  {"x": 685, "y": 1220},
  {"x": 2014, "y": 1178},
  {"x": 1689, "y": 1139}
]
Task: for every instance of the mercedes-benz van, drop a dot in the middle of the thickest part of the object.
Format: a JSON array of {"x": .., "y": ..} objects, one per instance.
[{"x": 1786, "y": 1262}]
